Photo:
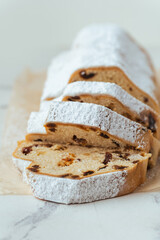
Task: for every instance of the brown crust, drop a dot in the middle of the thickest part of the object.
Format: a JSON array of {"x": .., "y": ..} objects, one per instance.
[{"x": 134, "y": 177}]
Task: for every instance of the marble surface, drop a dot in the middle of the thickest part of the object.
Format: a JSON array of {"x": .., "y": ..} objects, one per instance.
[{"x": 135, "y": 216}]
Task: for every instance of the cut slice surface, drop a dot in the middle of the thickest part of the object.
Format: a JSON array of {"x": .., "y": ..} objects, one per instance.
[
  {"x": 74, "y": 174},
  {"x": 76, "y": 162},
  {"x": 91, "y": 125},
  {"x": 115, "y": 98}
]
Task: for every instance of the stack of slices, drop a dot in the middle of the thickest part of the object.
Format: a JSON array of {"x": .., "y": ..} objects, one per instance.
[{"x": 98, "y": 127}]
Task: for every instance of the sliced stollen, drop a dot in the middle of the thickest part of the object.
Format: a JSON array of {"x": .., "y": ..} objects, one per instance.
[
  {"x": 114, "y": 97},
  {"x": 67, "y": 173},
  {"x": 121, "y": 61},
  {"x": 89, "y": 125}
]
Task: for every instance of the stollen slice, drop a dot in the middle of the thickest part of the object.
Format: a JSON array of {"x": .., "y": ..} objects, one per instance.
[
  {"x": 114, "y": 97},
  {"x": 90, "y": 125},
  {"x": 67, "y": 173}
]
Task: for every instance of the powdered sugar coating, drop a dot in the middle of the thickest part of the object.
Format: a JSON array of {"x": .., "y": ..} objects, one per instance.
[
  {"x": 36, "y": 122},
  {"x": 108, "y": 46},
  {"x": 106, "y": 88},
  {"x": 77, "y": 191},
  {"x": 94, "y": 115},
  {"x": 45, "y": 105}
]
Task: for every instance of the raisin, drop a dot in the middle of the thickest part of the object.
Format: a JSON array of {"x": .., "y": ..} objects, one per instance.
[
  {"x": 51, "y": 125},
  {"x": 52, "y": 129},
  {"x": 26, "y": 150},
  {"x": 74, "y": 176},
  {"x": 117, "y": 144},
  {"x": 103, "y": 135},
  {"x": 38, "y": 140},
  {"x": 130, "y": 89},
  {"x": 34, "y": 168},
  {"x": 88, "y": 173},
  {"x": 84, "y": 75},
  {"x": 145, "y": 99},
  {"x": 101, "y": 168},
  {"x": 108, "y": 157},
  {"x": 73, "y": 98},
  {"x": 48, "y": 145},
  {"x": 152, "y": 123},
  {"x": 78, "y": 159},
  {"x": 70, "y": 99},
  {"x": 65, "y": 175},
  {"x": 81, "y": 141},
  {"x": 119, "y": 167},
  {"x": 136, "y": 161}
]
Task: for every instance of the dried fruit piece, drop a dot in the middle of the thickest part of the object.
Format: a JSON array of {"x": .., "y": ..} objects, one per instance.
[
  {"x": 34, "y": 168},
  {"x": 152, "y": 123},
  {"x": 88, "y": 173},
  {"x": 102, "y": 168},
  {"x": 136, "y": 161},
  {"x": 84, "y": 75},
  {"x": 65, "y": 175},
  {"x": 117, "y": 167},
  {"x": 48, "y": 145},
  {"x": 117, "y": 144},
  {"x": 51, "y": 127},
  {"x": 80, "y": 141},
  {"x": 145, "y": 99},
  {"x": 38, "y": 140},
  {"x": 103, "y": 135},
  {"x": 26, "y": 150},
  {"x": 108, "y": 157},
  {"x": 74, "y": 176},
  {"x": 74, "y": 98}
]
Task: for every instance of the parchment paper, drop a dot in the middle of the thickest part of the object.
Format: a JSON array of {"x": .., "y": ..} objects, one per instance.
[{"x": 25, "y": 98}]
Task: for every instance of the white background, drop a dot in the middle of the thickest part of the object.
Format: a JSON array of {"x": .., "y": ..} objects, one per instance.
[{"x": 32, "y": 31}]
